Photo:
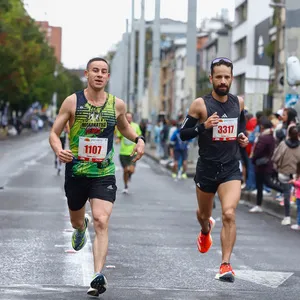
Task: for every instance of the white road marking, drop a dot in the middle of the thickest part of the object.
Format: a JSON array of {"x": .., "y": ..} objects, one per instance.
[
  {"x": 271, "y": 279},
  {"x": 87, "y": 263},
  {"x": 82, "y": 258},
  {"x": 266, "y": 278},
  {"x": 141, "y": 164}
]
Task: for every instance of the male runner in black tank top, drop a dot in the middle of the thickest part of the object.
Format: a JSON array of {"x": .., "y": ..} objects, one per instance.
[{"x": 220, "y": 132}]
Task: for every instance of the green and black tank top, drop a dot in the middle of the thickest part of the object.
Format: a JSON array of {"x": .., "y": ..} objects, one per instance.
[{"x": 91, "y": 139}]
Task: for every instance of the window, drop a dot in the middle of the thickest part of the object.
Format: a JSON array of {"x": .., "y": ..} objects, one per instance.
[
  {"x": 240, "y": 48},
  {"x": 240, "y": 84},
  {"x": 241, "y": 13}
]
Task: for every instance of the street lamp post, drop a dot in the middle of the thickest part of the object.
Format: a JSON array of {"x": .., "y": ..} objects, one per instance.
[
  {"x": 191, "y": 63},
  {"x": 141, "y": 68},
  {"x": 54, "y": 98},
  {"x": 132, "y": 59}
]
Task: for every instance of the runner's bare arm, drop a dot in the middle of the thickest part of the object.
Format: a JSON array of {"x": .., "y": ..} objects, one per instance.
[
  {"x": 63, "y": 117},
  {"x": 127, "y": 131},
  {"x": 197, "y": 112}
]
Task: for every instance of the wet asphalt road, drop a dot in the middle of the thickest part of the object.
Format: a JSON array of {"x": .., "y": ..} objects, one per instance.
[{"x": 152, "y": 244}]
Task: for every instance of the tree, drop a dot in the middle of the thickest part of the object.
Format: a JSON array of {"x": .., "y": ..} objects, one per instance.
[
  {"x": 27, "y": 62},
  {"x": 66, "y": 84}
]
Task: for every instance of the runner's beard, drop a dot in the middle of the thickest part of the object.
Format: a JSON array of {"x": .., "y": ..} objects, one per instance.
[{"x": 223, "y": 91}]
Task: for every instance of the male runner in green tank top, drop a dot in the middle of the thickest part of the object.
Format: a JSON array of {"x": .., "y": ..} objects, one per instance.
[
  {"x": 90, "y": 171},
  {"x": 127, "y": 146}
]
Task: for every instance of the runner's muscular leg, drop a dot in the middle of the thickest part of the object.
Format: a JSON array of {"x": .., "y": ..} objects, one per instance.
[
  {"x": 229, "y": 194},
  {"x": 205, "y": 207},
  {"x": 126, "y": 176},
  {"x": 175, "y": 167},
  {"x": 77, "y": 218},
  {"x": 131, "y": 169},
  {"x": 101, "y": 211}
]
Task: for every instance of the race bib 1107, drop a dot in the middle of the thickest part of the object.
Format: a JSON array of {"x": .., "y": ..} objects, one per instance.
[{"x": 92, "y": 149}]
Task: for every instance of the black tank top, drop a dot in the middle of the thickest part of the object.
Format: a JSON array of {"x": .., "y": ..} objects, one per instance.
[{"x": 217, "y": 150}]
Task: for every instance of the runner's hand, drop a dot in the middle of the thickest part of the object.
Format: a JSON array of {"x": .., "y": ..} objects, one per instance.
[
  {"x": 65, "y": 156},
  {"x": 212, "y": 121},
  {"x": 243, "y": 140},
  {"x": 139, "y": 150}
]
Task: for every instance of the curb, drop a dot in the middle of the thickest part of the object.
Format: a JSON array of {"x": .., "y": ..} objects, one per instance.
[{"x": 270, "y": 206}]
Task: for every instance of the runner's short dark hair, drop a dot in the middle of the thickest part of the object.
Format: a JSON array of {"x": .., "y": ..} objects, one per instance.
[
  {"x": 219, "y": 61},
  {"x": 97, "y": 59}
]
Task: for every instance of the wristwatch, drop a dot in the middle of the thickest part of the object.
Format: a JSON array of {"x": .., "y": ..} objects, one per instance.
[{"x": 139, "y": 137}]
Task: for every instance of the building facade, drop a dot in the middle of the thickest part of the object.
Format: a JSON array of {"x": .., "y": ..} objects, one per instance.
[
  {"x": 53, "y": 36},
  {"x": 251, "y": 77}
]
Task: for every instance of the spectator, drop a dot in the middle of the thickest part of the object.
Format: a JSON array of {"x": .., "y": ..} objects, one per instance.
[
  {"x": 157, "y": 134},
  {"x": 285, "y": 158},
  {"x": 180, "y": 150},
  {"x": 262, "y": 153},
  {"x": 296, "y": 184},
  {"x": 289, "y": 117}
]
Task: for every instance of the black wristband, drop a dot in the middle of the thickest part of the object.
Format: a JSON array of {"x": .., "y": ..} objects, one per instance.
[{"x": 139, "y": 137}]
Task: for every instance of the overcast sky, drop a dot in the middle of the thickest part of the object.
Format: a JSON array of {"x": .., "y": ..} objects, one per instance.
[{"x": 91, "y": 27}]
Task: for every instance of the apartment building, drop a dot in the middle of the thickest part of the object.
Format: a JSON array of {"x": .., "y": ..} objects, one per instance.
[
  {"x": 53, "y": 36},
  {"x": 251, "y": 75}
]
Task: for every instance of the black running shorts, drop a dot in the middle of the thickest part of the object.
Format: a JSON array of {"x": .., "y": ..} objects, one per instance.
[
  {"x": 180, "y": 154},
  {"x": 79, "y": 189},
  {"x": 210, "y": 175},
  {"x": 127, "y": 160}
]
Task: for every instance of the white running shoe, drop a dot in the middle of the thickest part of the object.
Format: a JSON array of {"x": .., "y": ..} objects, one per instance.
[
  {"x": 286, "y": 221},
  {"x": 256, "y": 209},
  {"x": 125, "y": 191},
  {"x": 295, "y": 227}
]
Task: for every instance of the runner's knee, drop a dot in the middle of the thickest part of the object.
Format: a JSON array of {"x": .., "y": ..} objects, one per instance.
[
  {"x": 228, "y": 215},
  {"x": 77, "y": 223},
  {"x": 101, "y": 223}
]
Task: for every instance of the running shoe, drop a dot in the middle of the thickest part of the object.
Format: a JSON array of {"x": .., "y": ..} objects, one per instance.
[
  {"x": 79, "y": 237},
  {"x": 205, "y": 241},
  {"x": 93, "y": 292},
  {"x": 226, "y": 273},
  {"x": 98, "y": 285},
  {"x": 125, "y": 191}
]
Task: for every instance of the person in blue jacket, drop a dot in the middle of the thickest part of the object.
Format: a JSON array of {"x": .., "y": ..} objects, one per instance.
[{"x": 180, "y": 153}]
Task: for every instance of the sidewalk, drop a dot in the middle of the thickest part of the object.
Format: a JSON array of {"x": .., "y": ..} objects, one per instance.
[
  {"x": 269, "y": 205},
  {"x": 4, "y": 136}
]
